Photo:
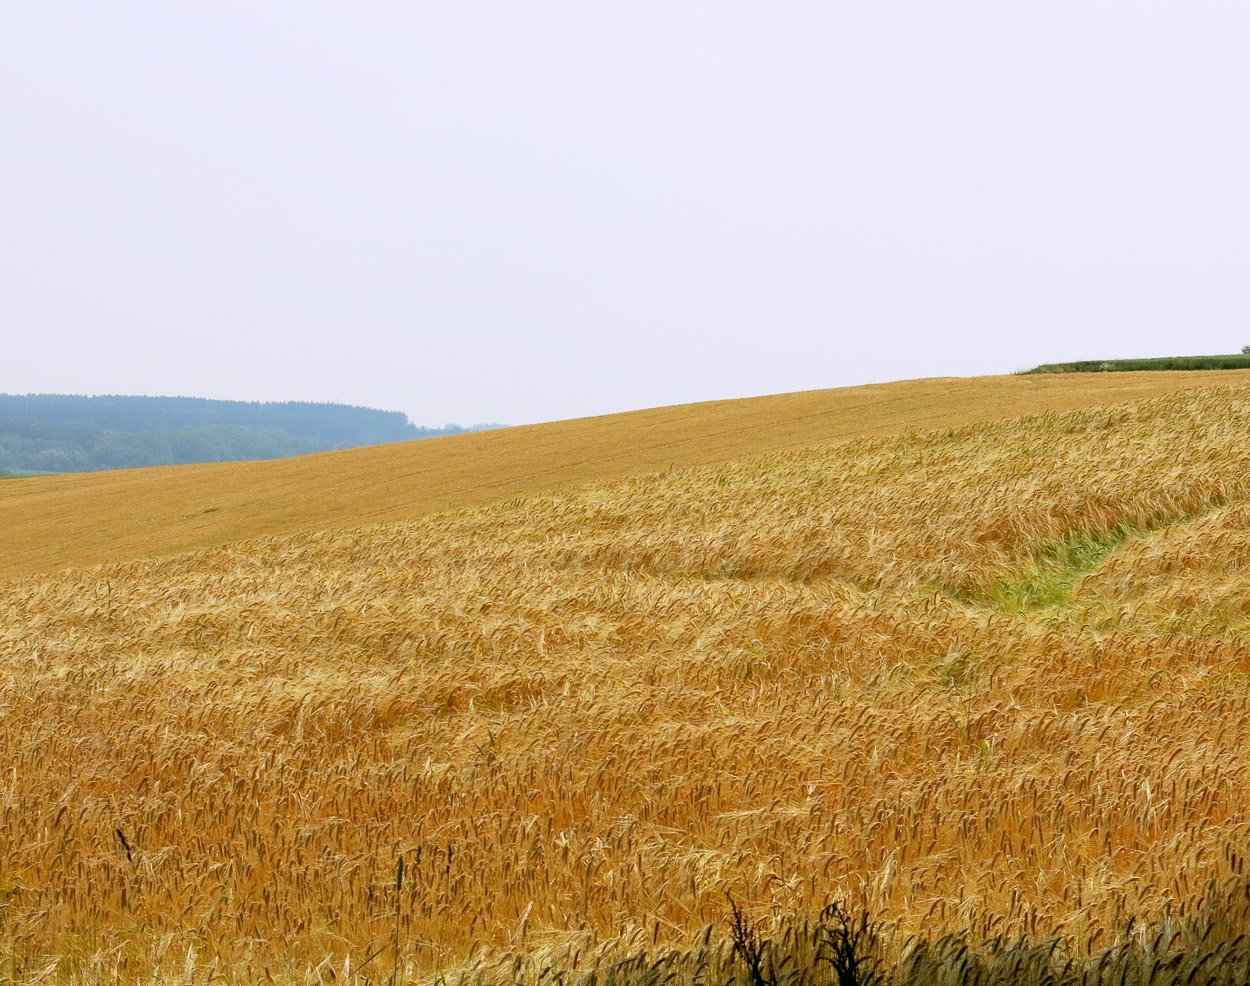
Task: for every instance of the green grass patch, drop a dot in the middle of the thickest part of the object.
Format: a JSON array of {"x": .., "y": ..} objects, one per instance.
[
  {"x": 1230, "y": 362},
  {"x": 1050, "y": 580}
]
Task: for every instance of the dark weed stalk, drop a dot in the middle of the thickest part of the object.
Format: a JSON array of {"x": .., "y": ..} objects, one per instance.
[
  {"x": 397, "y": 972},
  {"x": 749, "y": 947}
]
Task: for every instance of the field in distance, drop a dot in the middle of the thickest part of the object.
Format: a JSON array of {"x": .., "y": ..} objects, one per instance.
[
  {"x": 987, "y": 681},
  {"x": 59, "y": 521}
]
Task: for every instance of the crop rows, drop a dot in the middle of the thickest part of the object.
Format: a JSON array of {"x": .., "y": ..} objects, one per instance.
[{"x": 587, "y": 719}]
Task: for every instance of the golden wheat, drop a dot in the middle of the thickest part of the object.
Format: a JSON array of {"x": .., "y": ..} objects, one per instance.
[
  {"x": 585, "y": 718},
  {"x": 54, "y": 522}
]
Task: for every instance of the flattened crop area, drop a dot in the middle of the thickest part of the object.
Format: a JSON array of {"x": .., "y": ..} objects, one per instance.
[{"x": 817, "y": 674}]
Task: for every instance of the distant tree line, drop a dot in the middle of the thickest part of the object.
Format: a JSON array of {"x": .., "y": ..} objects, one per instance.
[
  {"x": 1229, "y": 362},
  {"x": 72, "y": 433}
]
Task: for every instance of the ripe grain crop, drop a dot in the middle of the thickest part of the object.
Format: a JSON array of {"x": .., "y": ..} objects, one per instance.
[
  {"x": 586, "y": 720},
  {"x": 54, "y": 522}
]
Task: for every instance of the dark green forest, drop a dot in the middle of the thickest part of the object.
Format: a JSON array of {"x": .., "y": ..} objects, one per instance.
[
  {"x": 1230, "y": 362},
  {"x": 71, "y": 433}
]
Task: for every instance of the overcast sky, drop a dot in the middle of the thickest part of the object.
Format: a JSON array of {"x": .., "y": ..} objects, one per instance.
[{"x": 528, "y": 211}]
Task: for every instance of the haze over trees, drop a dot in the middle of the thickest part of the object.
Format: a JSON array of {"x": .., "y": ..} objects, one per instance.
[{"x": 74, "y": 433}]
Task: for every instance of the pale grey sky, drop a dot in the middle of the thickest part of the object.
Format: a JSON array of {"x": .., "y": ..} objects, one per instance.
[{"x": 527, "y": 211}]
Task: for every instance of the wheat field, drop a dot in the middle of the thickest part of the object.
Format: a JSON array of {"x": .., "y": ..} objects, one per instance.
[
  {"x": 989, "y": 680},
  {"x": 55, "y": 522}
]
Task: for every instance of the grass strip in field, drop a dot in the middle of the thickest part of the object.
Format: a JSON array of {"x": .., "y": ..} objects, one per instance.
[{"x": 1057, "y": 569}]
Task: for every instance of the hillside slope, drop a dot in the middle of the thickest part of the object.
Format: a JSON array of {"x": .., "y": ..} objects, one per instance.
[
  {"x": 584, "y": 719},
  {"x": 53, "y": 522}
]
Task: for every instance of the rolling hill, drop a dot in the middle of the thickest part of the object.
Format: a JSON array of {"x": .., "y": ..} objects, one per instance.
[
  {"x": 985, "y": 681},
  {"x": 58, "y": 521}
]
